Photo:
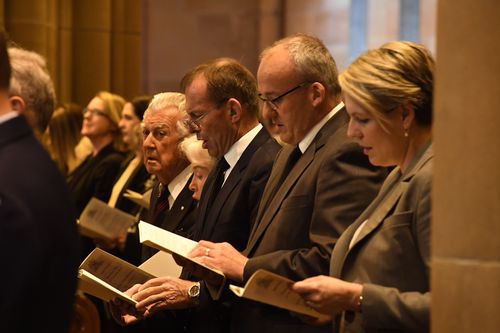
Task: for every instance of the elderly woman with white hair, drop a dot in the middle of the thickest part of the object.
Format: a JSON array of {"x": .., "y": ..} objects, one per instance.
[{"x": 201, "y": 162}]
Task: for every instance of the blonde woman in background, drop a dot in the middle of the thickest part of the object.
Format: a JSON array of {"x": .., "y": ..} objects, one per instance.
[{"x": 63, "y": 135}]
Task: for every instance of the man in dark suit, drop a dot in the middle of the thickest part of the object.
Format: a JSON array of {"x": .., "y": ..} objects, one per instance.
[
  {"x": 38, "y": 234},
  {"x": 172, "y": 205},
  {"x": 221, "y": 100},
  {"x": 318, "y": 186}
]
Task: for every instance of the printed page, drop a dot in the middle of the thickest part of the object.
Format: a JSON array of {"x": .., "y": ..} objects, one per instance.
[
  {"x": 161, "y": 264},
  {"x": 161, "y": 239},
  {"x": 273, "y": 289},
  {"x": 100, "y": 220},
  {"x": 106, "y": 276}
]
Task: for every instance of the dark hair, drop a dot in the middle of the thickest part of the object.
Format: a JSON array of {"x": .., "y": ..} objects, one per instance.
[
  {"x": 140, "y": 104},
  {"x": 4, "y": 62},
  {"x": 226, "y": 78}
]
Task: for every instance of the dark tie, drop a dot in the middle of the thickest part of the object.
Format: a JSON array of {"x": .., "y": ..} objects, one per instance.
[
  {"x": 292, "y": 159},
  {"x": 220, "y": 171},
  {"x": 162, "y": 204}
]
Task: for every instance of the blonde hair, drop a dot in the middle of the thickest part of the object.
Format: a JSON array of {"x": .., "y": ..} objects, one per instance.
[
  {"x": 113, "y": 106},
  {"x": 395, "y": 74},
  {"x": 63, "y": 135},
  {"x": 195, "y": 153}
]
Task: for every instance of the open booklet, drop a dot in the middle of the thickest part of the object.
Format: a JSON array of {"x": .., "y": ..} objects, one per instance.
[
  {"x": 269, "y": 288},
  {"x": 179, "y": 246},
  {"x": 138, "y": 198},
  {"x": 98, "y": 220},
  {"x": 106, "y": 277}
]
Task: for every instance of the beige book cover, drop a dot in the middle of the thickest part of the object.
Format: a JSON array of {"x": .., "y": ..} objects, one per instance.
[
  {"x": 273, "y": 289},
  {"x": 98, "y": 220},
  {"x": 106, "y": 276}
]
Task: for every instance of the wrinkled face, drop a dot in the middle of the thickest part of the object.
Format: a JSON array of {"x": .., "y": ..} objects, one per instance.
[
  {"x": 210, "y": 122},
  {"x": 160, "y": 145},
  {"x": 198, "y": 181},
  {"x": 128, "y": 124},
  {"x": 290, "y": 115},
  {"x": 96, "y": 122},
  {"x": 384, "y": 147}
]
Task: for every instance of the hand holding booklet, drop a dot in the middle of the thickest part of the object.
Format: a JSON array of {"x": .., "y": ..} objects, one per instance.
[
  {"x": 106, "y": 277},
  {"x": 98, "y": 220},
  {"x": 177, "y": 245},
  {"x": 269, "y": 288}
]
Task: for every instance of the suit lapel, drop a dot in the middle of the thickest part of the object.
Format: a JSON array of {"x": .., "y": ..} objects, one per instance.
[
  {"x": 210, "y": 218},
  {"x": 179, "y": 209},
  {"x": 273, "y": 197}
]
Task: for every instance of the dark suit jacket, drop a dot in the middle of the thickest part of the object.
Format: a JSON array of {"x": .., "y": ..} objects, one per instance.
[
  {"x": 298, "y": 223},
  {"x": 230, "y": 218},
  {"x": 38, "y": 236},
  {"x": 390, "y": 256},
  {"x": 178, "y": 219}
]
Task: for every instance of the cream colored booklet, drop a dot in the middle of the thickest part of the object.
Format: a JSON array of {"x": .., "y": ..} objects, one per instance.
[
  {"x": 273, "y": 289},
  {"x": 106, "y": 276},
  {"x": 179, "y": 246},
  {"x": 140, "y": 199},
  {"x": 98, "y": 220}
]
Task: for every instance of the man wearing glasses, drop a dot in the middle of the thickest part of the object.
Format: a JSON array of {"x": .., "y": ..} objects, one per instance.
[
  {"x": 222, "y": 104},
  {"x": 319, "y": 183}
]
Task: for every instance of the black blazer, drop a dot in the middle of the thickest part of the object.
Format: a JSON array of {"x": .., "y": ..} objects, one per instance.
[
  {"x": 38, "y": 236},
  {"x": 229, "y": 220},
  {"x": 298, "y": 223},
  {"x": 178, "y": 219},
  {"x": 95, "y": 177}
]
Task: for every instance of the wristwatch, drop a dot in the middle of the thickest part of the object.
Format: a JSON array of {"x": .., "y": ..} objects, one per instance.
[{"x": 194, "y": 292}]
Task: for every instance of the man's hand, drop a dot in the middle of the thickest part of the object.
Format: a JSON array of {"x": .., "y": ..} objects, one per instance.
[
  {"x": 221, "y": 256},
  {"x": 163, "y": 293}
]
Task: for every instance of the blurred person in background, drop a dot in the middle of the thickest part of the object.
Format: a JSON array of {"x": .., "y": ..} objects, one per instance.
[
  {"x": 63, "y": 135},
  {"x": 31, "y": 89}
]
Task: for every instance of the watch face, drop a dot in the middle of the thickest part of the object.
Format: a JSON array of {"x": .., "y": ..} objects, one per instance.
[{"x": 194, "y": 290}]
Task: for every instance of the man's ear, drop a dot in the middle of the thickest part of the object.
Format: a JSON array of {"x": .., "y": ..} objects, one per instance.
[
  {"x": 17, "y": 104},
  {"x": 234, "y": 109},
  {"x": 318, "y": 93}
]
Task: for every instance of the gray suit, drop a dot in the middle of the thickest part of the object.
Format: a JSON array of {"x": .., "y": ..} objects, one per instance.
[
  {"x": 390, "y": 255},
  {"x": 298, "y": 222}
]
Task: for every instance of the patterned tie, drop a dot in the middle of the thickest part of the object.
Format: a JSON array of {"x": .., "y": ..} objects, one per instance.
[
  {"x": 220, "y": 171},
  {"x": 162, "y": 204}
]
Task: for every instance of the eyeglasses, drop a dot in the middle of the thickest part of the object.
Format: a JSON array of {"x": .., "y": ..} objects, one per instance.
[
  {"x": 197, "y": 120},
  {"x": 273, "y": 102},
  {"x": 95, "y": 112}
]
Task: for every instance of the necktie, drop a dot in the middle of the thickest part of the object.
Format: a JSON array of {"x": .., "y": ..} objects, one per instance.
[
  {"x": 161, "y": 204},
  {"x": 220, "y": 171}
]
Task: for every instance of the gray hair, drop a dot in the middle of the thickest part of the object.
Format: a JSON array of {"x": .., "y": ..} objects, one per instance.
[
  {"x": 31, "y": 81},
  {"x": 313, "y": 62},
  {"x": 171, "y": 99}
]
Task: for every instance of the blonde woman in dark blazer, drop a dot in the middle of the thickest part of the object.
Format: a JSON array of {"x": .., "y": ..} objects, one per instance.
[{"x": 380, "y": 266}]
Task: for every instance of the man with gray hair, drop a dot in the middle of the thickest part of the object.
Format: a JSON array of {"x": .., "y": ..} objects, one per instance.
[
  {"x": 31, "y": 89},
  {"x": 171, "y": 200}
]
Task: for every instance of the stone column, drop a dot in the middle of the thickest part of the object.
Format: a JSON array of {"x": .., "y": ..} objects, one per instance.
[{"x": 466, "y": 216}]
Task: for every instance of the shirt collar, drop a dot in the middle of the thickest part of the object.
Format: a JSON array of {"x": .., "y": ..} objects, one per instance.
[
  {"x": 306, "y": 141},
  {"x": 178, "y": 183},
  {"x": 237, "y": 149},
  {"x": 8, "y": 116}
]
